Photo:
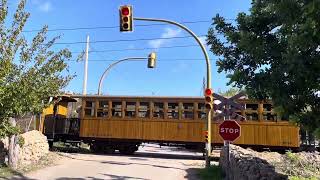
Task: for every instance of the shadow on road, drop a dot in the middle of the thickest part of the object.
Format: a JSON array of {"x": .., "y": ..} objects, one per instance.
[
  {"x": 144, "y": 164},
  {"x": 108, "y": 176},
  {"x": 192, "y": 173},
  {"x": 17, "y": 176}
]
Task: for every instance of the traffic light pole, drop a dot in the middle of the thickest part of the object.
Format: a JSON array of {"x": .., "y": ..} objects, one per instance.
[
  {"x": 208, "y": 127},
  {"x": 115, "y": 63}
]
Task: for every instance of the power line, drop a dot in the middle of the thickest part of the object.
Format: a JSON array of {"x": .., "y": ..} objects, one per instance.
[
  {"x": 113, "y": 27},
  {"x": 128, "y": 40},
  {"x": 139, "y": 49},
  {"x": 160, "y": 59}
]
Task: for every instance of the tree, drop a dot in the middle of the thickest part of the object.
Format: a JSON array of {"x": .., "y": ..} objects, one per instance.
[
  {"x": 230, "y": 92},
  {"x": 273, "y": 52},
  {"x": 29, "y": 71}
]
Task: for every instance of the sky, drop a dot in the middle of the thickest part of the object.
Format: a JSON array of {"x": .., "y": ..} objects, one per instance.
[{"x": 179, "y": 70}]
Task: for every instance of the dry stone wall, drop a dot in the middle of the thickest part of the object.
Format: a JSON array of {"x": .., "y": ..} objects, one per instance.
[
  {"x": 33, "y": 146},
  {"x": 246, "y": 164}
]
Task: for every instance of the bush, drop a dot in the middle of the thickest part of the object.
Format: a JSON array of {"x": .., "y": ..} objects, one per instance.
[{"x": 211, "y": 173}]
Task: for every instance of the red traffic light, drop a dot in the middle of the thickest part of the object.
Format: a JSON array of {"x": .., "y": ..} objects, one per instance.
[
  {"x": 208, "y": 92},
  {"x": 126, "y": 18},
  {"x": 125, "y": 11}
]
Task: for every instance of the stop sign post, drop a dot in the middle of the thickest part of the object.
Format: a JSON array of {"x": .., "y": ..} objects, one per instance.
[{"x": 229, "y": 130}]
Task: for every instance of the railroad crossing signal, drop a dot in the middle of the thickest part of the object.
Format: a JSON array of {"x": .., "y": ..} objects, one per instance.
[
  {"x": 228, "y": 107},
  {"x": 126, "y": 18},
  {"x": 208, "y": 93},
  {"x": 229, "y": 130}
]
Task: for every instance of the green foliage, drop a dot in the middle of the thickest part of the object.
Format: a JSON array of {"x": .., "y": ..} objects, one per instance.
[
  {"x": 273, "y": 52},
  {"x": 21, "y": 141},
  {"x": 230, "y": 92},
  {"x": 7, "y": 172},
  {"x": 29, "y": 71},
  {"x": 211, "y": 173},
  {"x": 6, "y": 129},
  {"x": 301, "y": 178},
  {"x": 291, "y": 156}
]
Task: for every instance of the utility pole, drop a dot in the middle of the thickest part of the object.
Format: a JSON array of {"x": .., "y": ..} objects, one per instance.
[{"x": 85, "y": 77}]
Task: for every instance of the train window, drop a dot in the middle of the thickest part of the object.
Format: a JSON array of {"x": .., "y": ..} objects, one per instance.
[
  {"x": 103, "y": 109},
  {"x": 173, "y": 111},
  {"x": 267, "y": 107},
  {"x": 158, "y": 110},
  {"x": 201, "y": 111},
  {"x": 89, "y": 108},
  {"x": 116, "y": 109},
  {"x": 130, "y": 109},
  {"x": 252, "y": 106},
  {"x": 187, "y": 111},
  {"x": 269, "y": 117},
  {"x": 252, "y": 116},
  {"x": 144, "y": 109},
  {"x": 188, "y": 106}
]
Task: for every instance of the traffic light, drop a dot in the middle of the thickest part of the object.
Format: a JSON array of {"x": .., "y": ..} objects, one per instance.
[
  {"x": 208, "y": 98},
  {"x": 206, "y": 136},
  {"x": 126, "y": 18},
  {"x": 152, "y": 60}
]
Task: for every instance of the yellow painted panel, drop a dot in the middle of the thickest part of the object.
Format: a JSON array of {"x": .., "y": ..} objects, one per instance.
[
  {"x": 62, "y": 110},
  {"x": 252, "y": 133},
  {"x": 263, "y": 133}
]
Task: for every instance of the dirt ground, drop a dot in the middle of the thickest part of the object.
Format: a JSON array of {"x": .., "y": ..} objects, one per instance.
[{"x": 150, "y": 162}]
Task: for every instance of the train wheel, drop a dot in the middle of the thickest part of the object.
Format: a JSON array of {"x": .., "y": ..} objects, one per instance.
[
  {"x": 108, "y": 149},
  {"x": 128, "y": 149},
  {"x": 97, "y": 148}
]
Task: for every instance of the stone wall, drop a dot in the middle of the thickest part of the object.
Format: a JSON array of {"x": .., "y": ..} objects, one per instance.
[
  {"x": 246, "y": 164},
  {"x": 34, "y": 146}
]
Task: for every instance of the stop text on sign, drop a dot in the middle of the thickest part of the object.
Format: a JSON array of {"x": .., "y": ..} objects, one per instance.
[{"x": 229, "y": 130}]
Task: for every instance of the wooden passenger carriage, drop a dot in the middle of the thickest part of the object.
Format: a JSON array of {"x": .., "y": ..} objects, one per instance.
[{"x": 123, "y": 122}]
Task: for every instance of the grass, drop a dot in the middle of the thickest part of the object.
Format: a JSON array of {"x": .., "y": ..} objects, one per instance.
[
  {"x": 293, "y": 157},
  {"x": 6, "y": 171},
  {"x": 48, "y": 160},
  {"x": 301, "y": 178},
  {"x": 211, "y": 173}
]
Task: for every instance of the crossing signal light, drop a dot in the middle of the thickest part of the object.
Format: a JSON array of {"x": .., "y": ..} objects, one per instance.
[
  {"x": 126, "y": 18},
  {"x": 206, "y": 136},
  {"x": 208, "y": 98}
]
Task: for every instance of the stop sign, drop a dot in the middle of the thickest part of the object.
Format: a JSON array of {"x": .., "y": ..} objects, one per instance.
[{"x": 229, "y": 130}]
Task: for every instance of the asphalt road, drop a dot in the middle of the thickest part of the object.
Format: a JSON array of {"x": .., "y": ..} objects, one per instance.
[{"x": 150, "y": 162}]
